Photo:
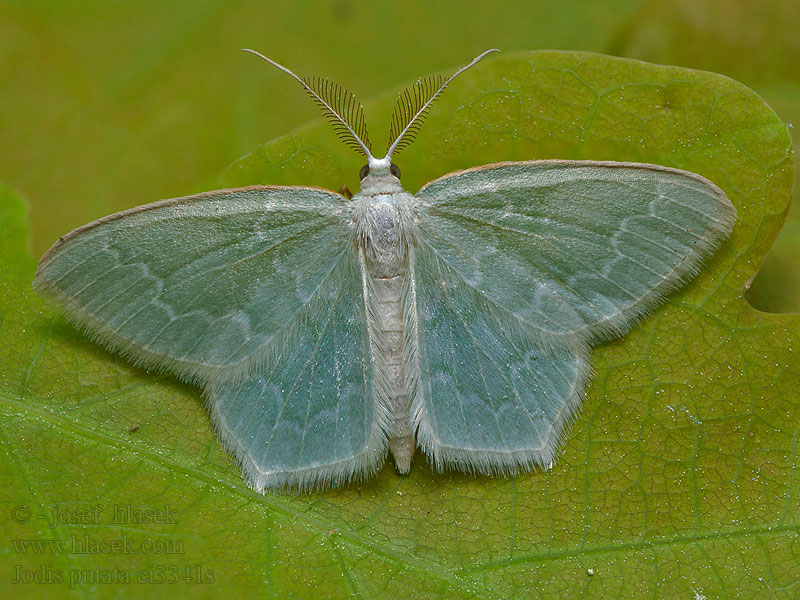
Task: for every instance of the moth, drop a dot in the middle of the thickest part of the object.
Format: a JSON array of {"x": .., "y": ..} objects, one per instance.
[{"x": 326, "y": 330}]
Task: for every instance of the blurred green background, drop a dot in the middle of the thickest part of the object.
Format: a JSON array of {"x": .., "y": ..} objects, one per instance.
[{"x": 107, "y": 105}]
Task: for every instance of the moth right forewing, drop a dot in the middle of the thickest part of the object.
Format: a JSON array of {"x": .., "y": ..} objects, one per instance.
[{"x": 578, "y": 250}]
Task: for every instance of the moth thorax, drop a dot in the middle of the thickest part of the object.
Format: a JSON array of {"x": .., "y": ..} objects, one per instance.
[{"x": 385, "y": 243}]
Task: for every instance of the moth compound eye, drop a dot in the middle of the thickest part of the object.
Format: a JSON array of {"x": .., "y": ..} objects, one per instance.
[
  {"x": 395, "y": 170},
  {"x": 363, "y": 172}
]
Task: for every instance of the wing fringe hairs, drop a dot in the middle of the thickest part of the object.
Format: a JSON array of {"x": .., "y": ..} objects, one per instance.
[{"x": 361, "y": 467}]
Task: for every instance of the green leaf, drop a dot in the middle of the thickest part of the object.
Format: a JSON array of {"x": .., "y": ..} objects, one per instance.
[{"x": 676, "y": 481}]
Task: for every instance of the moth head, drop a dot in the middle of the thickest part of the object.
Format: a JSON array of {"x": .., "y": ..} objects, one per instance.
[
  {"x": 379, "y": 167},
  {"x": 380, "y": 174},
  {"x": 346, "y": 115}
]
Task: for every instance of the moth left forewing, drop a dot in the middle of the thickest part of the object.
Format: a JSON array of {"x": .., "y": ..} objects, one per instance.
[
  {"x": 204, "y": 286},
  {"x": 578, "y": 250}
]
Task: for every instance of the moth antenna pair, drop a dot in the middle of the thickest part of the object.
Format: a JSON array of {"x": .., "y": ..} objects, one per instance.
[{"x": 346, "y": 114}]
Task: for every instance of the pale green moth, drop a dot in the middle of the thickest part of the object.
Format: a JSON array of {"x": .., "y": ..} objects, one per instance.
[{"x": 325, "y": 330}]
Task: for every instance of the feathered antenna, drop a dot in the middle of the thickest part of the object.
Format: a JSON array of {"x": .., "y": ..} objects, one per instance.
[
  {"x": 412, "y": 101},
  {"x": 340, "y": 106},
  {"x": 412, "y": 107}
]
